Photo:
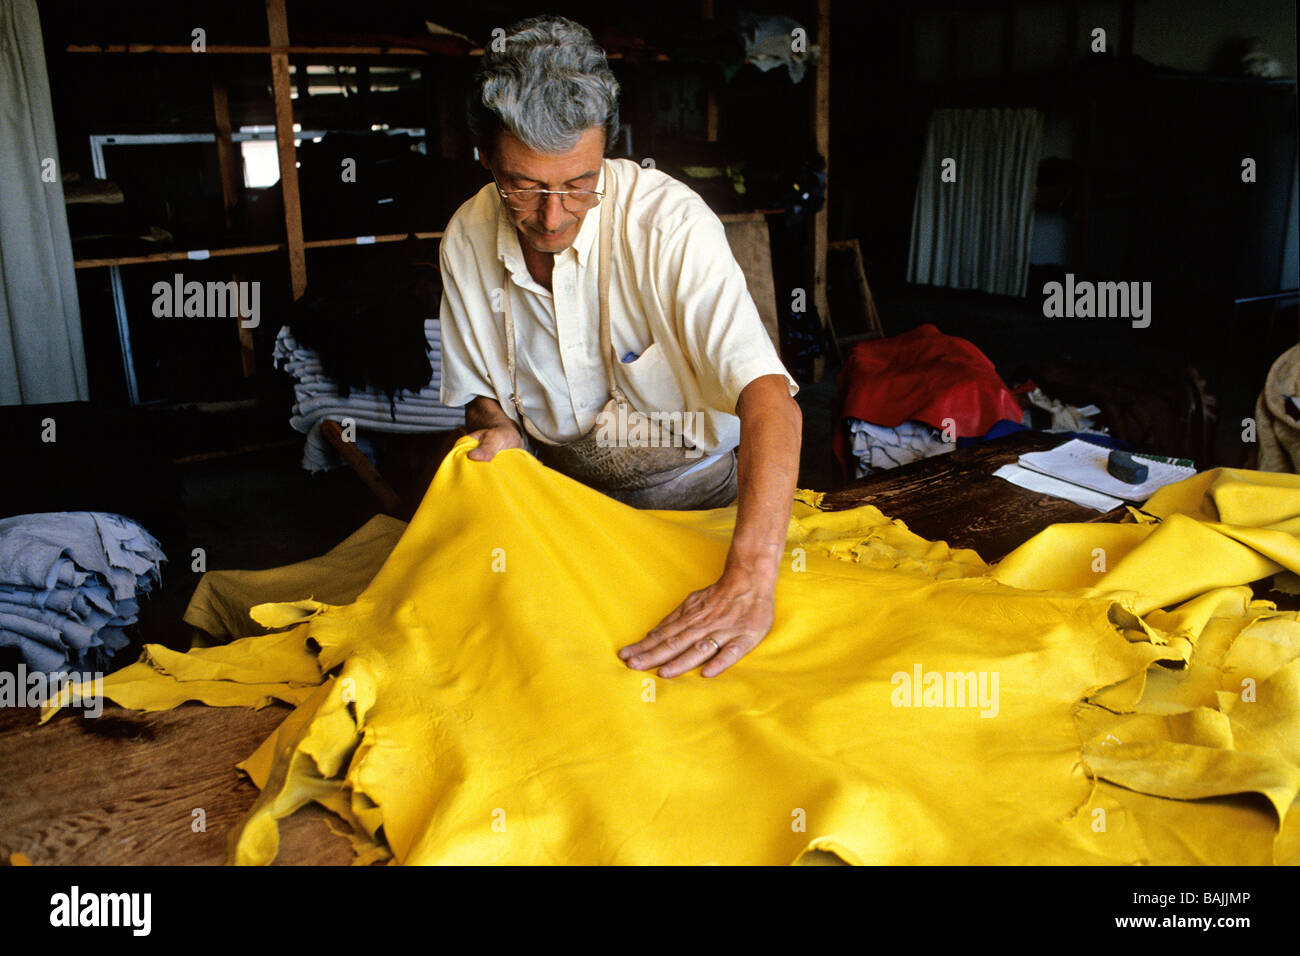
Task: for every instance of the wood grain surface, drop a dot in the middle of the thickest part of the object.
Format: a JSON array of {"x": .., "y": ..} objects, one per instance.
[
  {"x": 122, "y": 788},
  {"x": 956, "y": 497}
]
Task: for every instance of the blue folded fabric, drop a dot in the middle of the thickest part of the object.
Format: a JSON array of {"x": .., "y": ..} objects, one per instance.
[{"x": 70, "y": 584}]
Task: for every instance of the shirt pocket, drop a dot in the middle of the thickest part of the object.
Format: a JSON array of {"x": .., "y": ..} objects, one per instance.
[{"x": 650, "y": 382}]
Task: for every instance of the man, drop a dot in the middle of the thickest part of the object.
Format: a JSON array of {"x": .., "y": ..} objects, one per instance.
[{"x": 578, "y": 289}]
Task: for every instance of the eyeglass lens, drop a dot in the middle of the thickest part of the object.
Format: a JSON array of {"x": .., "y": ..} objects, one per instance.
[{"x": 574, "y": 201}]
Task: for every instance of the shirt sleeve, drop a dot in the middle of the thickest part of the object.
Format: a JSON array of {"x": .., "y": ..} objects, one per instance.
[
  {"x": 464, "y": 371},
  {"x": 717, "y": 322}
]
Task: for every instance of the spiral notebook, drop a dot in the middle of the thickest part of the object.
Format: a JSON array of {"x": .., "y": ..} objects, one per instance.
[{"x": 1084, "y": 464}]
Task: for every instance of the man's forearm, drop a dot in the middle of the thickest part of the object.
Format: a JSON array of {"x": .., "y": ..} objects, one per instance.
[
  {"x": 768, "y": 469},
  {"x": 718, "y": 625}
]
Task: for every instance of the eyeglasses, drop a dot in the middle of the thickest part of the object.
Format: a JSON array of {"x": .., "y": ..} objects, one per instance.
[{"x": 530, "y": 200}]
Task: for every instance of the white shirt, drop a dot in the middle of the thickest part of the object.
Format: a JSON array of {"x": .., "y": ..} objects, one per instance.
[{"x": 677, "y": 298}]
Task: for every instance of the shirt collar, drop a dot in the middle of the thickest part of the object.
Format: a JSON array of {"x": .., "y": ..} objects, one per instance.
[{"x": 511, "y": 253}]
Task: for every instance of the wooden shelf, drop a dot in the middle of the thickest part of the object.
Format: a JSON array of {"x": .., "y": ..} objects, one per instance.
[
  {"x": 178, "y": 255},
  {"x": 369, "y": 240},
  {"x": 292, "y": 50},
  {"x": 278, "y": 51},
  {"x": 238, "y": 50},
  {"x": 198, "y": 255}
]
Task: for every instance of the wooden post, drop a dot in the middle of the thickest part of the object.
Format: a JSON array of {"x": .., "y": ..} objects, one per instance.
[
  {"x": 821, "y": 119},
  {"x": 278, "y": 29},
  {"x": 226, "y": 158},
  {"x": 852, "y": 246},
  {"x": 350, "y": 453},
  {"x": 230, "y": 187}
]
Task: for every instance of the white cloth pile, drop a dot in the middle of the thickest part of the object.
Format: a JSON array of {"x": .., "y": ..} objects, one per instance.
[
  {"x": 1066, "y": 418},
  {"x": 875, "y": 447},
  {"x": 70, "y": 584},
  {"x": 319, "y": 398}
]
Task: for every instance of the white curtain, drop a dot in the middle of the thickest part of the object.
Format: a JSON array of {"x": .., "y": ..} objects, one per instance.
[
  {"x": 974, "y": 233},
  {"x": 42, "y": 359}
]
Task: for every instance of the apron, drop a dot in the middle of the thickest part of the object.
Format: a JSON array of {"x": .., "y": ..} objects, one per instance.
[{"x": 643, "y": 477}]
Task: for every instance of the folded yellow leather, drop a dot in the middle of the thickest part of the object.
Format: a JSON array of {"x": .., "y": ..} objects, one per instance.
[{"x": 911, "y": 704}]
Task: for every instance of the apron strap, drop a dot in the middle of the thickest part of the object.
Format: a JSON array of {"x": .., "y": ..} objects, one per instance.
[{"x": 602, "y": 280}]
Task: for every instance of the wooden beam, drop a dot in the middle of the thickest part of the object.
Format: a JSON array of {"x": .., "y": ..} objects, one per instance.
[
  {"x": 278, "y": 30},
  {"x": 177, "y": 256},
  {"x": 821, "y": 120},
  {"x": 369, "y": 240},
  {"x": 245, "y": 50},
  {"x": 227, "y": 161},
  {"x": 389, "y": 499},
  {"x": 290, "y": 50},
  {"x": 247, "y": 346},
  {"x": 874, "y": 329},
  {"x": 231, "y": 183}
]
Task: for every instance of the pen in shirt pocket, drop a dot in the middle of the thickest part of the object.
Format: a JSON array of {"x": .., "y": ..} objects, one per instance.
[{"x": 629, "y": 357}]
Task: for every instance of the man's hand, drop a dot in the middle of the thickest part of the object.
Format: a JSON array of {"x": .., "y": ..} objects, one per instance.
[
  {"x": 494, "y": 439},
  {"x": 491, "y": 427},
  {"x": 716, "y": 627}
]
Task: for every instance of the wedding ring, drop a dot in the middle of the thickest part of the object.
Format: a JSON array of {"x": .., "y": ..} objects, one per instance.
[{"x": 716, "y": 646}]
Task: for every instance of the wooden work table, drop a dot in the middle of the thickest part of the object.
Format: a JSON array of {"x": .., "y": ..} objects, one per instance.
[
  {"x": 123, "y": 788},
  {"x": 956, "y": 498}
]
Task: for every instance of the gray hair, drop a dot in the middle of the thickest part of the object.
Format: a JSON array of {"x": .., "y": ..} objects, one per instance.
[{"x": 547, "y": 84}]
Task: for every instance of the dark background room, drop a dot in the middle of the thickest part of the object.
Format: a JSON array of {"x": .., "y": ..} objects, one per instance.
[{"x": 1151, "y": 143}]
